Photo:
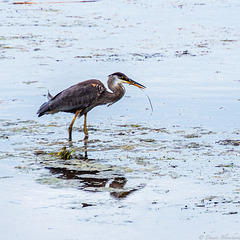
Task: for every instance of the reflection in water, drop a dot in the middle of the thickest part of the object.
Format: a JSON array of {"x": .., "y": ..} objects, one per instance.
[
  {"x": 94, "y": 181},
  {"x": 85, "y": 140},
  {"x": 90, "y": 175},
  {"x": 85, "y": 147}
]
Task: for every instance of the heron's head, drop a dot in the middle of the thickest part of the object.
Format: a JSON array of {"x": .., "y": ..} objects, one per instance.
[{"x": 122, "y": 78}]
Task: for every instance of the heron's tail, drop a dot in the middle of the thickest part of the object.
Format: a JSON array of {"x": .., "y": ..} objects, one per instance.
[{"x": 44, "y": 109}]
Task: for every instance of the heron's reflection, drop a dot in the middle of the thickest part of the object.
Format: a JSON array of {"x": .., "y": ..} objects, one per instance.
[
  {"x": 92, "y": 180},
  {"x": 91, "y": 175},
  {"x": 85, "y": 141}
]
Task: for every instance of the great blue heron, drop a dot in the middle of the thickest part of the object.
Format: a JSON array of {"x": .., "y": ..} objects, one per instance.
[{"x": 84, "y": 96}]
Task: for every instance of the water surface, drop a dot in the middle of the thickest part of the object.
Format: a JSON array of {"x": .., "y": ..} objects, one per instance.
[{"x": 139, "y": 175}]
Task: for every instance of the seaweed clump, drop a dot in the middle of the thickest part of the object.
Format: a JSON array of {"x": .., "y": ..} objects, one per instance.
[{"x": 65, "y": 154}]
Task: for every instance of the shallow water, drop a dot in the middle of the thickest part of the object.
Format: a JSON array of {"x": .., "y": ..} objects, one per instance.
[{"x": 140, "y": 174}]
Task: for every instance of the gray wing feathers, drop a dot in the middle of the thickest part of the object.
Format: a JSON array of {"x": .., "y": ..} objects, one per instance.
[{"x": 82, "y": 96}]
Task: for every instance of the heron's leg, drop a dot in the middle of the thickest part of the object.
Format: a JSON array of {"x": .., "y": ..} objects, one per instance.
[
  {"x": 85, "y": 124},
  {"x": 71, "y": 125}
]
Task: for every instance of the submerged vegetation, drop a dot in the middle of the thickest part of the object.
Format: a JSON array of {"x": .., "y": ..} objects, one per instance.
[{"x": 108, "y": 166}]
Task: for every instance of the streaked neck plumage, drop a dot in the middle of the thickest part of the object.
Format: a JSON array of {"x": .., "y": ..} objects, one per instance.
[{"x": 118, "y": 90}]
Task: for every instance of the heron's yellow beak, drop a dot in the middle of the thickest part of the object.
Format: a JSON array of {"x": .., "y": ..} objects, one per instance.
[{"x": 132, "y": 82}]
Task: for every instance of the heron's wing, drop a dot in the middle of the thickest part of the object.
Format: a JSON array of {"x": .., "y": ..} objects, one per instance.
[{"x": 82, "y": 96}]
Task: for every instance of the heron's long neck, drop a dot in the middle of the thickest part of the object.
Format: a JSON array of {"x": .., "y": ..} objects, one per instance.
[{"x": 117, "y": 93}]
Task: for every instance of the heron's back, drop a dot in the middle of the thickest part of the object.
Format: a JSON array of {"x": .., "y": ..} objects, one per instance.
[{"x": 82, "y": 96}]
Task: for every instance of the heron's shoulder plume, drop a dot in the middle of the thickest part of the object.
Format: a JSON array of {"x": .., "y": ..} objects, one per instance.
[
  {"x": 49, "y": 96},
  {"x": 92, "y": 86}
]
